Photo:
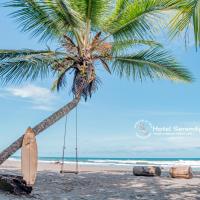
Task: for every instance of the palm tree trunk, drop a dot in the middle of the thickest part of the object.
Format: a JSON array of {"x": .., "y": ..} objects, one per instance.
[{"x": 4, "y": 155}]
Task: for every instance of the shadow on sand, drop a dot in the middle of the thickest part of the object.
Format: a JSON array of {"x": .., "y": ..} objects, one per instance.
[{"x": 109, "y": 185}]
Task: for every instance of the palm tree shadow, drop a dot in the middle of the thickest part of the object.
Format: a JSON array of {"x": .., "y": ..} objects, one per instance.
[{"x": 111, "y": 186}]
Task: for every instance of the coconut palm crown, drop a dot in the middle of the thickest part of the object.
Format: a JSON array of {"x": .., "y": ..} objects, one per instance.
[{"x": 117, "y": 35}]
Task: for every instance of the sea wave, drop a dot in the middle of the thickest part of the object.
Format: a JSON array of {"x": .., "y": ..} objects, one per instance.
[
  {"x": 162, "y": 163},
  {"x": 120, "y": 162}
]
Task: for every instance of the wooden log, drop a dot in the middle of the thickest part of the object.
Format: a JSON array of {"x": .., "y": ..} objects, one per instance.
[
  {"x": 146, "y": 171},
  {"x": 181, "y": 172},
  {"x": 14, "y": 184}
]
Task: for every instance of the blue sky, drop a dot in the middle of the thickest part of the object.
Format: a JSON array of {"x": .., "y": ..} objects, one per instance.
[{"x": 106, "y": 122}]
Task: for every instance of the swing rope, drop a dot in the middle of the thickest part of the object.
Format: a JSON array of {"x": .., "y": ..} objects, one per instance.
[
  {"x": 64, "y": 144},
  {"x": 76, "y": 149}
]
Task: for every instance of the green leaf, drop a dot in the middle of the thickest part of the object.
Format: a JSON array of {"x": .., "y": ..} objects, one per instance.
[
  {"x": 18, "y": 66},
  {"x": 126, "y": 45},
  {"x": 48, "y": 19},
  {"x": 116, "y": 12},
  {"x": 188, "y": 14},
  {"x": 137, "y": 19},
  {"x": 17, "y": 54},
  {"x": 150, "y": 63},
  {"x": 60, "y": 81},
  {"x": 105, "y": 65},
  {"x": 94, "y": 10}
]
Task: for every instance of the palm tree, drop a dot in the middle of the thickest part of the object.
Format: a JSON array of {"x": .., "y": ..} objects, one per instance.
[
  {"x": 89, "y": 34},
  {"x": 187, "y": 17}
]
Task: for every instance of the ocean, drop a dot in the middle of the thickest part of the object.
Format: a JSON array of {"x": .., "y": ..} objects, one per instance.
[{"x": 162, "y": 162}]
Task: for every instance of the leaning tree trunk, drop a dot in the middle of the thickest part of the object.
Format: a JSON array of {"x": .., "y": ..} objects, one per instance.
[{"x": 4, "y": 155}]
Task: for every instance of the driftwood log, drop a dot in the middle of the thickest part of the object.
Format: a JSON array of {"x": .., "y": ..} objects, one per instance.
[
  {"x": 14, "y": 184},
  {"x": 181, "y": 172},
  {"x": 146, "y": 171}
]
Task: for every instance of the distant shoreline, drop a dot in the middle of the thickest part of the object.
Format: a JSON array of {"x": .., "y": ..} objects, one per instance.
[{"x": 122, "y": 162}]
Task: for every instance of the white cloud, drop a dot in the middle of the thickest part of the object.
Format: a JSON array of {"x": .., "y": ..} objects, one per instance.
[
  {"x": 41, "y": 98},
  {"x": 30, "y": 91}
]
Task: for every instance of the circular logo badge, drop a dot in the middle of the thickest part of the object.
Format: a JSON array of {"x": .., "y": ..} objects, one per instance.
[{"x": 143, "y": 129}]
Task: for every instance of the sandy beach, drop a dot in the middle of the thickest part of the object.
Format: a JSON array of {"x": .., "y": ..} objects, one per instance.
[{"x": 99, "y": 182}]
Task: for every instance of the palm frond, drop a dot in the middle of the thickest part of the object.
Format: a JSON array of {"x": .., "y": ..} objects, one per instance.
[
  {"x": 188, "y": 14},
  {"x": 25, "y": 53},
  {"x": 18, "y": 66},
  {"x": 120, "y": 5},
  {"x": 139, "y": 19},
  {"x": 105, "y": 65},
  {"x": 127, "y": 44},
  {"x": 45, "y": 18},
  {"x": 94, "y": 10},
  {"x": 150, "y": 63},
  {"x": 61, "y": 79}
]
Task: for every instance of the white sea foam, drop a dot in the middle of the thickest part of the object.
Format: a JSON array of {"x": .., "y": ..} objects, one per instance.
[
  {"x": 14, "y": 159},
  {"x": 124, "y": 162},
  {"x": 162, "y": 163}
]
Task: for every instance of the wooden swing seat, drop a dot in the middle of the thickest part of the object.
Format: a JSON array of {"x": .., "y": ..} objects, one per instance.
[{"x": 68, "y": 172}]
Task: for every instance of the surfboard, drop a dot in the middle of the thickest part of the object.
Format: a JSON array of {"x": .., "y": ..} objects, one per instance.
[{"x": 29, "y": 157}]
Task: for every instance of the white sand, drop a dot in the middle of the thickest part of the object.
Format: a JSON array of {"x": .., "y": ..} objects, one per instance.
[{"x": 99, "y": 183}]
